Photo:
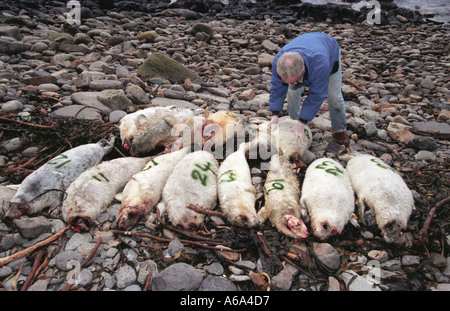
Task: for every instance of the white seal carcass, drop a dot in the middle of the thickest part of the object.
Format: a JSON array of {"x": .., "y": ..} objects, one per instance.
[
  {"x": 290, "y": 142},
  {"x": 282, "y": 195},
  {"x": 157, "y": 129},
  {"x": 193, "y": 181},
  {"x": 262, "y": 144},
  {"x": 219, "y": 127},
  {"x": 45, "y": 187},
  {"x": 381, "y": 188},
  {"x": 327, "y": 195},
  {"x": 237, "y": 195},
  {"x": 129, "y": 125},
  {"x": 91, "y": 193},
  {"x": 144, "y": 189}
]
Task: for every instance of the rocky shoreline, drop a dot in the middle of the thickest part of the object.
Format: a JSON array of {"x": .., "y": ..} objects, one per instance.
[{"x": 62, "y": 86}]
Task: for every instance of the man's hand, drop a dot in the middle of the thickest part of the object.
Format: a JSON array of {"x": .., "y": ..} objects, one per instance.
[
  {"x": 299, "y": 132},
  {"x": 272, "y": 121}
]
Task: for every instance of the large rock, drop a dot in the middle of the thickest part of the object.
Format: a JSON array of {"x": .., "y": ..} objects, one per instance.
[
  {"x": 441, "y": 130},
  {"x": 114, "y": 99},
  {"x": 10, "y": 46},
  {"x": 79, "y": 112},
  {"x": 177, "y": 277},
  {"x": 399, "y": 132},
  {"x": 90, "y": 99},
  {"x": 33, "y": 227},
  {"x": 164, "y": 102},
  {"x": 10, "y": 31},
  {"x": 159, "y": 65}
]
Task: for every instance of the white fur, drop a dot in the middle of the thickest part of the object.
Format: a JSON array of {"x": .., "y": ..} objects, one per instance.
[
  {"x": 91, "y": 193},
  {"x": 290, "y": 144},
  {"x": 282, "y": 195},
  {"x": 144, "y": 189},
  {"x": 38, "y": 190},
  {"x": 184, "y": 186},
  {"x": 129, "y": 125},
  {"x": 328, "y": 196},
  {"x": 381, "y": 188},
  {"x": 237, "y": 195}
]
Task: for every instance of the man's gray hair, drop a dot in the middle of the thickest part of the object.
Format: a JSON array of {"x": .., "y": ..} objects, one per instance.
[{"x": 290, "y": 65}]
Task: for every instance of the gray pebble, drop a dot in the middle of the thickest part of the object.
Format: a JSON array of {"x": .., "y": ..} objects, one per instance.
[
  {"x": 78, "y": 239},
  {"x": 215, "y": 268},
  {"x": 125, "y": 276},
  {"x": 216, "y": 283},
  {"x": 410, "y": 260},
  {"x": 64, "y": 260},
  {"x": 179, "y": 276},
  {"x": 11, "y": 106}
]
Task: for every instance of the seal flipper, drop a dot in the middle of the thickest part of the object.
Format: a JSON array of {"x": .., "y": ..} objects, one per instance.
[{"x": 107, "y": 145}]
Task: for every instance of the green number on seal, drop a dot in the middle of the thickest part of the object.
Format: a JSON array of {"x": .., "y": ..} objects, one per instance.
[
  {"x": 331, "y": 168},
  {"x": 150, "y": 165},
  {"x": 276, "y": 184},
  {"x": 307, "y": 134},
  {"x": 197, "y": 175},
  {"x": 96, "y": 177},
  {"x": 232, "y": 114},
  {"x": 230, "y": 174},
  {"x": 382, "y": 165},
  {"x": 55, "y": 161}
]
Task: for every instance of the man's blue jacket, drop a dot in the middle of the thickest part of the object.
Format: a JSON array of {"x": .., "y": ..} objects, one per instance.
[{"x": 320, "y": 52}]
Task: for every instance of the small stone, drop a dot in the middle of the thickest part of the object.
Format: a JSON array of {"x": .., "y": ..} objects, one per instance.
[
  {"x": 399, "y": 132},
  {"x": 270, "y": 46},
  {"x": 149, "y": 36},
  {"x": 174, "y": 247},
  {"x": 215, "y": 268},
  {"x": 265, "y": 60},
  {"x": 179, "y": 276},
  {"x": 32, "y": 227},
  {"x": 378, "y": 255},
  {"x": 146, "y": 268},
  {"x": 117, "y": 115},
  {"x": 77, "y": 240},
  {"x": 65, "y": 261},
  {"x": 410, "y": 260},
  {"x": 125, "y": 276},
  {"x": 11, "y": 106},
  {"x": 424, "y": 155},
  {"x": 216, "y": 283},
  {"x": 328, "y": 255},
  {"x": 247, "y": 95},
  {"x": 392, "y": 265},
  {"x": 239, "y": 278},
  {"x": 444, "y": 115},
  {"x": 427, "y": 83},
  {"x": 114, "y": 99},
  {"x": 282, "y": 280},
  {"x": 438, "y": 260},
  {"x": 100, "y": 85},
  {"x": 333, "y": 284},
  {"x": 439, "y": 129},
  {"x": 370, "y": 128},
  {"x": 246, "y": 264}
]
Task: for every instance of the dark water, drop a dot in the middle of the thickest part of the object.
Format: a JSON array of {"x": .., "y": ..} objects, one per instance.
[{"x": 440, "y": 7}]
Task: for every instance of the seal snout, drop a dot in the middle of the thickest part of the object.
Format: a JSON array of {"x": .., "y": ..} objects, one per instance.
[
  {"x": 296, "y": 226},
  {"x": 16, "y": 210},
  {"x": 129, "y": 218},
  {"x": 80, "y": 224}
]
